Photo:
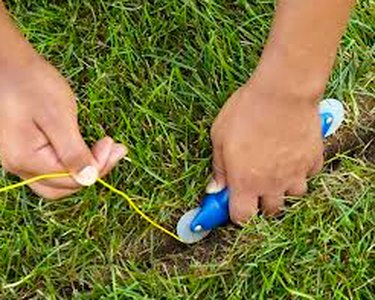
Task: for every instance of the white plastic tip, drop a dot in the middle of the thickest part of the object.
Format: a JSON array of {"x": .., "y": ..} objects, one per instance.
[
  {"x": 198, "y": 228},
  {"x": 87, "y": 176},
  {"x": 184, "y": 231},
  {"x": 336, "y": 108}
]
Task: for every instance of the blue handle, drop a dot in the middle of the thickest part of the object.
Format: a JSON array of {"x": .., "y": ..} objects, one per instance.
[
  {"x": 215, "y": 207},
  {"x": 214, "y": 212},
  {"x": 326, "y": 119}
]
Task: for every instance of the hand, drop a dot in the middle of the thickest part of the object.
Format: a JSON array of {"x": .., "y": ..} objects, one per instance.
[
  {"x": 267, "y": 138},
  {"x": 266, "y": 142},
  {"x": 40, "y": 134}
]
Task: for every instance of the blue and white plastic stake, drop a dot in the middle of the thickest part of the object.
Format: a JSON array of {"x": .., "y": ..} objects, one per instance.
[{"x": 213, "y": 210}]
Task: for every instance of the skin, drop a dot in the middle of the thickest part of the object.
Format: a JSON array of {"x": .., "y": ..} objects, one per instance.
[
  {"x": 266, "y": 139},
  {"x": 39, "y": 131}
]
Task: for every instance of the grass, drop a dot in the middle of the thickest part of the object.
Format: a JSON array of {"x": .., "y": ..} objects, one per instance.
[{"x": 153, "y": 74}]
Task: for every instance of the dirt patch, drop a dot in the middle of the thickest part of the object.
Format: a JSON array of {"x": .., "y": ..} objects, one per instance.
[
  {"x": 216, "y": 249},
  {"x": 169, "y": 253},
  {"x": 357, "y": 139}
]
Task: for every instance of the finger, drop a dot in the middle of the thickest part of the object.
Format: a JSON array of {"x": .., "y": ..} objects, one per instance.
[
  {"x": 317, "y": 166},
  {"x": 242, "y": 206},
  {"x": 272, "y": 205},
  {"x": 298, "y": 189},
  {"x": 63, "y": 132},
  {"x": 117, "y": 153},
  {"x": 30, "y": 154},
  {"x": 44, "y": 161},
  {"x": 49, "y": 192},
  {"x": 102, "y": 150},
  {"x": 218, "y": 182}
]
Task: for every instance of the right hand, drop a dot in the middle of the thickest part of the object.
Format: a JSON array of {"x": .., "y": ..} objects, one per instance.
[
  {"x": 267, "y": 142},
  {"x": 39, "y": 131}
]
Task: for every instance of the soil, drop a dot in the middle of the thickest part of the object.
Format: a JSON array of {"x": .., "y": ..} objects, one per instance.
[{"x": 358, "y": 139}]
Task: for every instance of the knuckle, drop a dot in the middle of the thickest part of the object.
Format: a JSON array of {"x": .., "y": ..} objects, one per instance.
[
  {"x": 50, "y": 114},
  {"x": 272, "y": 204},
  {"x": 73, "y": 158},
  {"x": 218, "y": 169},
  {"x": 238, "y": 218},
  {"x": 273, "y": 209},
  {"x": 7, "y": 166},
  {"x": 241, "y": 210},
  {"x": 315, "y": 169},
  {"x": 12, "y": 164},
  {"x": 298, "y": 190}
]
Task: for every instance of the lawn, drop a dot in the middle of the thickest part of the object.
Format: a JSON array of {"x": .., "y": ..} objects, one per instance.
[{"x": 153, "y": 74}]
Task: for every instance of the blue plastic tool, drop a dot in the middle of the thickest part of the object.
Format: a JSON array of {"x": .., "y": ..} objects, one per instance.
[{"x": 214, "y": 208}]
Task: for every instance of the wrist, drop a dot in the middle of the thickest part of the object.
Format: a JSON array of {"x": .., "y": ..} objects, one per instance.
[
  {"x": 15, "y": 50},
  {"x": 285, "y": 84},
  {"x": 279, "y": 85},
  {"x": 289, "y": 72}
]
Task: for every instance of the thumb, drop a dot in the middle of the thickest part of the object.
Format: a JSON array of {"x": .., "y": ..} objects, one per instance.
[
  {"x": 65, "y": 137},
  {"x": 218, "y": 182}
]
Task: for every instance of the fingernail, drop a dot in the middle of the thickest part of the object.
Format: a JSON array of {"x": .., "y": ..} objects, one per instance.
[
  {"x": 213, "y": 187},
  {"x": 120, "y": 151},
  {"x": 87, "y": 176}
]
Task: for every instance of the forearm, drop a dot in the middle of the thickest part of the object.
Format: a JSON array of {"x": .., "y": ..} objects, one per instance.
[
  {"x": 302, "y": 45},
  {"x": 14, "y": 49}
]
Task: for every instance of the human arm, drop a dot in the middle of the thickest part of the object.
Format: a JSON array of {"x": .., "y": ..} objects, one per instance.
[{"x": 267, "y": 139}]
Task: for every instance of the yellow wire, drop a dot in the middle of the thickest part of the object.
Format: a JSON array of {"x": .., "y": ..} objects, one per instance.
[
  {"x": 101, "y": 181},
  {"x": 135, "y": 207},
  {"x": 33, "y": 179}
]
